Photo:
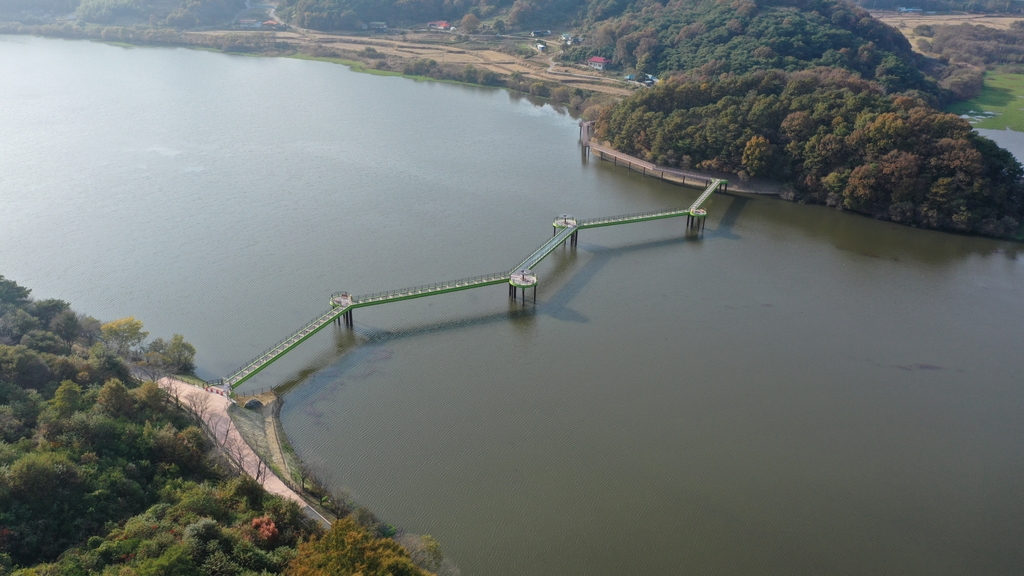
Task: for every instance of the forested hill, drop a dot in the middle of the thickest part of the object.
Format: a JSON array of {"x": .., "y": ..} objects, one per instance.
[
  {"x": 173, "y": 13},
  {"x": 103, "y": 474},
  {"x": 835, "y": 138},
  {"x": 813, "y": 93},
  {"x": 348, "y": 14},
  {"x": 739, "y": 36},
  {"x": 714, "y": 36}
]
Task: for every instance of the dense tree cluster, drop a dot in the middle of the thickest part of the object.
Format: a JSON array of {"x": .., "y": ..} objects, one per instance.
[
  {"x": 975, "y": 44},
  {"x": 838, "y": 138},
  {"x": 350, "y": 548},
  {"x": 14, "y": 7},
  {"x": 81, "y": 443},
  {"x": 103, "y": 474},
  {"x": 714, "y": 37},
  {"x": 349, "y": 14},
  {"x": 183, "y": 14},
  {"x": 197, "y": 528},
  {"x": 254, "y": 42},
  {"x": 105, "y": 11},
  {"x": 191, "y": 13}
]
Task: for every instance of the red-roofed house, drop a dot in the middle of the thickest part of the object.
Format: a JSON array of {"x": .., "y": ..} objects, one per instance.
[
  {"x": 598, "y": 63},
  {"x": 440, "y": 25}
]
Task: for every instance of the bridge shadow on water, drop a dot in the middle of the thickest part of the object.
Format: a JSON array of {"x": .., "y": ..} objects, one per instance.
[
  {"x": 344, "y": 342},
  {"x": 729, "y": 218},
  {"x": 556, "y": 305},
  {"x": 347, "y": 341}
]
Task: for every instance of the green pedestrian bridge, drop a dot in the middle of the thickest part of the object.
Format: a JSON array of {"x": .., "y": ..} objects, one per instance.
[{"x": 521, "y": 277}]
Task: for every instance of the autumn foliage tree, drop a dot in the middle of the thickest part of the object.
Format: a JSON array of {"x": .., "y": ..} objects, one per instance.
[
  {"x": 348, "y": 549},
  {"x": 757, "y": 155},
  {"x": 469, "y": 24},
  {"x": 124, "y": 334},
  {"x": 836, "y": 138}
]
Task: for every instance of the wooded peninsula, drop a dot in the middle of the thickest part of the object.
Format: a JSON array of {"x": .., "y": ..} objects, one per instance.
[{"x": 104, "y": 472}]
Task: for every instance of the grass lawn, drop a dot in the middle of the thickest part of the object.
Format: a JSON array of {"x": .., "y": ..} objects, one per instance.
[
  {"x": 1000, "y": 105},
  {"x": 191, "y": 379}
]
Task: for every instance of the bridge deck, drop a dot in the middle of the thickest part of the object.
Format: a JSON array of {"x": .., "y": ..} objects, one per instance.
[
  {"x": 545, "y": 249},
  {"x": 281, "y": 348},
  {"x": 298, "y": 337},
  {"x": 714, "y": 185},
  {"x": 655, "y": 215},
  {"x": 427, "y": 290}
]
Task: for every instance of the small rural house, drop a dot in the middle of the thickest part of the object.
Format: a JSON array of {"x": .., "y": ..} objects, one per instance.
[{"x": 598, "y": 63}]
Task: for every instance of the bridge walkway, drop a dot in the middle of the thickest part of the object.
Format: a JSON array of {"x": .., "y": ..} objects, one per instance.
[
  {"x": 545, "y": 249},
  {"x": 342, "y": 303},
  {"x": 692, "y": 210},
  {"x": 338, "y": 310},
  {"x": 276, "y": 351}
]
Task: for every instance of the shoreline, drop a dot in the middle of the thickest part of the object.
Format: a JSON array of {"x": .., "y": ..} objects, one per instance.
[
  {"x": 678, "y": 176},
  {"x": 214, "y": 410},
  {"x": 394, "y": 55}
]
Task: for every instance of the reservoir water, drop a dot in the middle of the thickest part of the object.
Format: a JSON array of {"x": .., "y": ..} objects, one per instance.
[{"x": 796, "y": 391}]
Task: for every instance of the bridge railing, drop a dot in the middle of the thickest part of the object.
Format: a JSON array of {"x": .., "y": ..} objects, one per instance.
[
  {"x": 426, "y": 288},
  {"x": 270, "y": 352},
  {"x": 277, "y": 349},
  {"x": 635, "y": 216},
  {"x": 712, "y": 187},
  {"x": 322, "y": 319},
  {"x": 557, "y": 239}
]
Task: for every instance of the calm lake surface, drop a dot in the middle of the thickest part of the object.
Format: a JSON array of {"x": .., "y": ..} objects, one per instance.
[{"x": 798, "y": 391}]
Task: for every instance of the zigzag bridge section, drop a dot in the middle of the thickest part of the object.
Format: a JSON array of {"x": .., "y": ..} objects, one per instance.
[{"x": 519, "y": 278}]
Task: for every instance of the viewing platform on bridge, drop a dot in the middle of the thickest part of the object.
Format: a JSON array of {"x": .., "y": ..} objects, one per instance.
[{"x": 522, "y": 279}]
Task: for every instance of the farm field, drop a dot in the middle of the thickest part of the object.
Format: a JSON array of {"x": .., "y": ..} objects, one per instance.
[
  {"x": 906, "y": 23},
  {"x": 1000, "y": 105}
]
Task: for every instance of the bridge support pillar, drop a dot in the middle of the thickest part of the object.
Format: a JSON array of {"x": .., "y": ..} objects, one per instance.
[
  {"x": 696, "y": 222},
  {"x": 516, "y": 293},
  {"x": 521, "y": 295},
  {"x": 522, "y": 279}
]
